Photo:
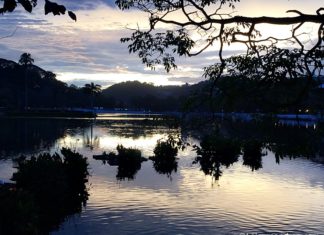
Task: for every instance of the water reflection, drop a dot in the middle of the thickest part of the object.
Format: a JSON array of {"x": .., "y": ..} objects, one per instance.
[
  {"x": 165, "y": 152},
  {"x": 216, "y": 151},
  {"x": 252, "y": 154},
  {"x": 48, "y": 189},
  {"x": 29, "y": 135},
  {"x": 255, "y": 192},
  {"x": 127, "y": 160},
  {"x": 90, "y": 140}
]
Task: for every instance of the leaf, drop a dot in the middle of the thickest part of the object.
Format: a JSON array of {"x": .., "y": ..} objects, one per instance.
[
  {"x": 52, "y": 7},
  {"x": 72, "y": 15},
  {"x": 27, "y": 5},
  {"x": 9, "y": 5}
]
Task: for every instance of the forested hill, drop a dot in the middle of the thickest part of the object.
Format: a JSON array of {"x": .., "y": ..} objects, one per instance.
[
  {"x": 138, "y": 95},
  {"x": 35, "y": 87}
]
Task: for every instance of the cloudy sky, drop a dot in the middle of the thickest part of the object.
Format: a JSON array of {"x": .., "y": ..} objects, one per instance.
[{"x": 90, "y": 49}]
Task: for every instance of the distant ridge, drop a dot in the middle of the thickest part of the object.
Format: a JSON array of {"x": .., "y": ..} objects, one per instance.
[{"x": 44, "y": 91}]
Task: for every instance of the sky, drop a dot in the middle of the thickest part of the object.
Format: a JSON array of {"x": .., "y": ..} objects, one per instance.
[{"x": 89, "y": 50}]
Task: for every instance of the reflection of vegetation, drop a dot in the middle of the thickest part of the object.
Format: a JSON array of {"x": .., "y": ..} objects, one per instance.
[
  {"x": 252, "y": 154},
  {"x": 215, "y": 151},
  {"x": 22, "y": 136},
  {"x": 48, "y": 189},
  {"x": 283, "y": 140},
  {"x": 129, "y": 162},
  {"x": 91, "y": 141},
  {"x": 18, "y": 212},
  {"x": 293, "y": 142},
  {"x": 93, "y": 90},
  {"x": 165, "y": 152}
]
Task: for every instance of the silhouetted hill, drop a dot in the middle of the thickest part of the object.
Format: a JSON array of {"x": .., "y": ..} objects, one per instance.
[
  {"x": 136, "y": 95},
  {"x": 35, "y": 87}
]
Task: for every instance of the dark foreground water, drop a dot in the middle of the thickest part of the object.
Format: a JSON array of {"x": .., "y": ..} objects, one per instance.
[{"x": 281, "y": 192}]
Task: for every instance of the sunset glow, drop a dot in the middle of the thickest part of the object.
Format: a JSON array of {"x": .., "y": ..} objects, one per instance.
[{"x": 90, "y": 49}]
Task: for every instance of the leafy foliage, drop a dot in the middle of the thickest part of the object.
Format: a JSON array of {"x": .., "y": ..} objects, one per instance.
[
  {"x": 26, "y": 59},
  {"x": 57, "y": 184},
  {"x": 129, "y": 162},
  {"x": 165, "y": 152},
  {"x": 28, "y": 5},
  {"x": 196, "y": 28},
  {"x": 44, "y": 90},
  {"x": 19, "y": 214},
  {"x": 156, "y": 49}
]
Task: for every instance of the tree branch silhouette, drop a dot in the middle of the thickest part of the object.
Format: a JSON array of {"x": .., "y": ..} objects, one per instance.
[
  {"x": 189, "y": 17},
  {"x": 29, "y": 5}
]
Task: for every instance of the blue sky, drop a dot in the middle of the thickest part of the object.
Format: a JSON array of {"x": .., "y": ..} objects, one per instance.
[{"x": 90, "y": 49}]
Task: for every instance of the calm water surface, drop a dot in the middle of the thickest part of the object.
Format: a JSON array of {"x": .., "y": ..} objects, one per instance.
[{"x": 285, "y": 197}]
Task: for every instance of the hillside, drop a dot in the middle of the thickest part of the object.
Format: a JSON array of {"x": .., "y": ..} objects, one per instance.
[
  {"x": 35, "y": 87},
  {"x": 136, "y": 95}
]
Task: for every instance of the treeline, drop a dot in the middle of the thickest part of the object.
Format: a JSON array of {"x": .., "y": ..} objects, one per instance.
[
  {"x": 33, "y": 87},
  {"x": 29, "y": 86},
  {"x": 36, "y": 88},
  {"x": 145, "y": 96}
]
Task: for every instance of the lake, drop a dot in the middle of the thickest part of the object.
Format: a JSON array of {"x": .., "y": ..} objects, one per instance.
[{"x": 279, "y": 191}]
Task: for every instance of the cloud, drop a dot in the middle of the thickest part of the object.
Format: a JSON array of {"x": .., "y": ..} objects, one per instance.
[
  {"x": 85, "y": 4},
  {"x": 183, "y": 80},
  {"x": 90, "y": 48}
]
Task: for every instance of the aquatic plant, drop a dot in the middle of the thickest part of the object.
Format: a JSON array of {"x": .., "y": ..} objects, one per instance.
[
  {"x": 18, "y": 212},
  {"x": 164, "y": 159},
  {"x": 56, "y": 183},
  {"x": 129, "y": 162}
]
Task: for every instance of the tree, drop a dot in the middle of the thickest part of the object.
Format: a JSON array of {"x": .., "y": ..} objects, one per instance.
[
  {"x": 26, "y": 61},
  {"x": 29, "y": 5},
  {"x": 50, "y": 75},
  {"x": 214, "y": 23},
  {"x": 92, "y": 89}
]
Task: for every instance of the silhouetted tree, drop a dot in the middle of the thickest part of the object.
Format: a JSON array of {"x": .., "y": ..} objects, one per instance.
[
  {"x": 29, "y": 5},
  {"x": 26, "y": 60},
  {"x": 92, "y": 89},
  {"x": 199, "y": 25},
  {"x": 165, "y": 152},
  {"x": 50, "y": 75}
]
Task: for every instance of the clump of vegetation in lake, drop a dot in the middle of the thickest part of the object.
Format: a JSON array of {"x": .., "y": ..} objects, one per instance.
[
  {"x": 215, "y": 151},
  {"x": 129, "y": 162},
  {"x": 252, "y": 154},
  {"x": 18, "y": 212},
  {"x": 165, "y": 152},
  {"x": 48, "y": 188}
]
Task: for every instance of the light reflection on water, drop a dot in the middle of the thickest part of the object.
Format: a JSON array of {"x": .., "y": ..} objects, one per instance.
[
  {"x": 190, "y": 203},
  {"x": 277, "y": 198}
]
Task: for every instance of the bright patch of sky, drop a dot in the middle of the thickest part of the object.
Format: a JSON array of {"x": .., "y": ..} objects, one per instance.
[{"x": 90, "y": 49}]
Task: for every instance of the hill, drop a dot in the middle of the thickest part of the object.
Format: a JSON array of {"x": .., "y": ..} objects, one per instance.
[
  {"x": 35, "y": 87},
  {"x": 136, "y": 95}
]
